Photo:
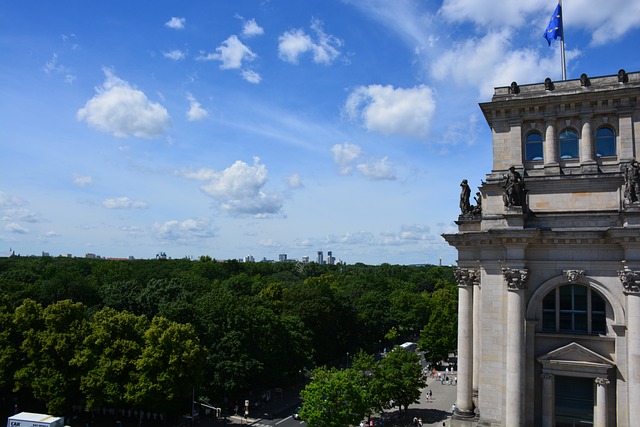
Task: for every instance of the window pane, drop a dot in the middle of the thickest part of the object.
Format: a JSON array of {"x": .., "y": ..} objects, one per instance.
[
  {"x": 568, "y": 144},
  {"x": 605, "y": 142},
  {"x": 597, "y": 303},
  {"x": 580, "y": 322},
  {"x": 565, "y": 298},
  {"x": 598, "y": 323},
  {"x": 549, "y": 302},
  {"x": 565, "y": 322},
  {"x": 533, "y": 147},
  {"x": 549, "y": 321},
  {"x": 579, "y": 298}
]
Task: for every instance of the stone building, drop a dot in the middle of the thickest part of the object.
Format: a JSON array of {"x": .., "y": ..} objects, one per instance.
[{"x": 549, "y": 260}]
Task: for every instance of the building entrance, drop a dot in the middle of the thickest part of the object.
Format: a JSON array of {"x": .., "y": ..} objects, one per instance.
[{"x": 574, "y": 401}]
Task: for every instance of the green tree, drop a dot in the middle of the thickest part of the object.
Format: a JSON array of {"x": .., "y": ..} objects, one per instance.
[
  {"x": 50, "y": 338},
  {"x": 108, "y": 358},
  {"x": 334, "y": 398},
  {"x": 439, "y": 337},
  {"x": 402, "y": 377},
  {"x": 169, "y": 367}
]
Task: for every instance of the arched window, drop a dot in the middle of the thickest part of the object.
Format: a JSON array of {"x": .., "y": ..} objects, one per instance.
[
  {"x": 574, "y": 309},
  {"x": 605, "y": 142},
  {"x": 533, "y": 146},
  {"x": 568, "y": 144}
]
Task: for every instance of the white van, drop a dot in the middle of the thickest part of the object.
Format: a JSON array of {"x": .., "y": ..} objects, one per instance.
[{"x": 29, "y": 419}]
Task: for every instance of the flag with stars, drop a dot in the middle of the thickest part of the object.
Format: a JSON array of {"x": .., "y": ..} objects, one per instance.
[{"x": 554, "y": 29}]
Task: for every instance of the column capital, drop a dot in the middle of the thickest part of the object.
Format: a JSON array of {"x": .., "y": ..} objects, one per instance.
[
  {"x": 630, "y": 281},
  {"x": 602, "y": 382},
  {"x": 516, "y": 278},
  {"x": 467, "y": 276},
  {"x": 546, "y": 376}
]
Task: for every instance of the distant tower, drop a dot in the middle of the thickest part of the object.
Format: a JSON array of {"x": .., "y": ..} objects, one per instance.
[
  {"x": 320, "y": 259},
  {"x": 282, "y": 257},
  {"x": 330, "y": 258}
]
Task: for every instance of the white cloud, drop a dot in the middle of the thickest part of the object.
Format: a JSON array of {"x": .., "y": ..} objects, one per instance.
[
  {"x": 175, "y": 54},
  {"x": 251, "y": 28},
  {"x": 16, "y": 228},
  {"x": 251, "y": 76},
  {"x": 387, "y": 110},
  {"x": 123, "y": 203},
  {"x": 19, "y": 214},
  {"x": 184, "y": 231},
  {"x": 232, "y": 53},
  {"x": 294, "y": 181},
  {"x": 54, "y": 67},
  {"x": 82, "y": 181},
  {"x": 239, "y": 189},
  {"x": 195, "y": 112},
  {"x": 176, "y": 23},
  {"x": 377, "y": 169},
  {"x": 123, "y": 111},
  {"x": 344, "y": 155},
  {"x": 294, "y": 43}
]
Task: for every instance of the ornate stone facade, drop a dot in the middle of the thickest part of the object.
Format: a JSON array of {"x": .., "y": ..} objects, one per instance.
[{"x": 549, "y": 277}]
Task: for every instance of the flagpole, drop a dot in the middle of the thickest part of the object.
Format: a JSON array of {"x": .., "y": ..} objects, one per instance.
[{"x": 564, "y": 65}]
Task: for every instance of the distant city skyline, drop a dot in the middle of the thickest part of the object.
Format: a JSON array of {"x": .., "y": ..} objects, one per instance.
[{"x": 232, "y": 128}]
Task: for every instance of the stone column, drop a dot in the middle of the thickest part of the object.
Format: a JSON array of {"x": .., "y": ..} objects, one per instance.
[
  {"x": 515, "y": 386},
  {"x": 600, "y": 416},
  {"x": 476, "y": 336},
  {"x": 466, "y": 278},
  {"x": 586, "y": 141},
  {"x": 631, "y": 283},
  {"x": 587, "y": 149},
  {"x": 551, "y": 165},
  {"x": 548, "y": 401},
  {"x": 550, "y": 144}
]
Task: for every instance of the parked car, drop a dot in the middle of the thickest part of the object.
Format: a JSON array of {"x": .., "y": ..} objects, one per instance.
[{"x": 296, "y": 413}]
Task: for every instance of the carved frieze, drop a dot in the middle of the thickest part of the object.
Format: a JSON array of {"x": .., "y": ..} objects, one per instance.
[
  {"x": 630, "y": 280},
  {"x": 467, "y": 276},
  {"x": 516, "y": 278}
]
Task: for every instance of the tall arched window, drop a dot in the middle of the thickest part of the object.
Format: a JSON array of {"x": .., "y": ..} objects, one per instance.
[
  {"x": 533, "y": 146},
  {"x": 605, "y": 142},
  {"x": 574, "y": 309},
  {"x": 568, "y": 144}
]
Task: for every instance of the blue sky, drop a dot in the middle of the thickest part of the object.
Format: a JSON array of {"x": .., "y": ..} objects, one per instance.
[{"x": 260, "y": 127}]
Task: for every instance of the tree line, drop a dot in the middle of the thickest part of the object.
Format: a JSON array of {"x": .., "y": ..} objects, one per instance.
[{"x": 147, "y": 333}]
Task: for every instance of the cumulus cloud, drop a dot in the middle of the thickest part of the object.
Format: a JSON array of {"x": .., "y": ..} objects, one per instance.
[
  {"x": 121, "y": 110},
  {"x": 232, "y": 53},
  {"x": 176, "y": 23},
  {"x": 13, "y": 208},
  {"x": 294, "y": 43},
  {"x": 184, "y": 231},
  {"x": 195, "y": 112},
  {"x": 251, "y": 28},
  {"x": 344, "y": 155},
  {"x": 377, "y": 170},
  {"x": 239, "y": 189},
  {"x": 387, "y": 110},
  {"x": 123, "y": 203},
  {"x": 175, "y": 54}
]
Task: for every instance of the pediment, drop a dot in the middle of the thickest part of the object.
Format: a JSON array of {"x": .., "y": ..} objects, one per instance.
[{"x": 576, "y": 355}]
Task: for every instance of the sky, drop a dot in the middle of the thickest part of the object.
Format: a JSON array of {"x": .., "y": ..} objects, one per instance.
[{"x": 265, "y": 127}]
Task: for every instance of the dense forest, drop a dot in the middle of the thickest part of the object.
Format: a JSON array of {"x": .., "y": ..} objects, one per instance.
[{"x": 147, "y": 333}]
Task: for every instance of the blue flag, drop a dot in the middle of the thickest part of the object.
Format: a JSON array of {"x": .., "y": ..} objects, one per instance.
[{"x": 554, "y": 29}]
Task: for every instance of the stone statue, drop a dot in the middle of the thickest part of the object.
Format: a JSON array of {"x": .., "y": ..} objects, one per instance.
[
  {"x": 632, "y": 182},
  {"x": 514, "y": 190},
  {"x": 465, "y": 193},
  {"x": 477, "y": 209}
]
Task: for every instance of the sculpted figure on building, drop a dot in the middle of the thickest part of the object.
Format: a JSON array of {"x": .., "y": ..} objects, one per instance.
[
  {"x": 632, "y": 182},
  {"x": 514, "y": 190}
]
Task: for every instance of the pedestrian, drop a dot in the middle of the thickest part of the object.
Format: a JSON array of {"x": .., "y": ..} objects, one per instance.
[
  {"x": 453, "y": 408},
  {"x": 420, "y": 421}
]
